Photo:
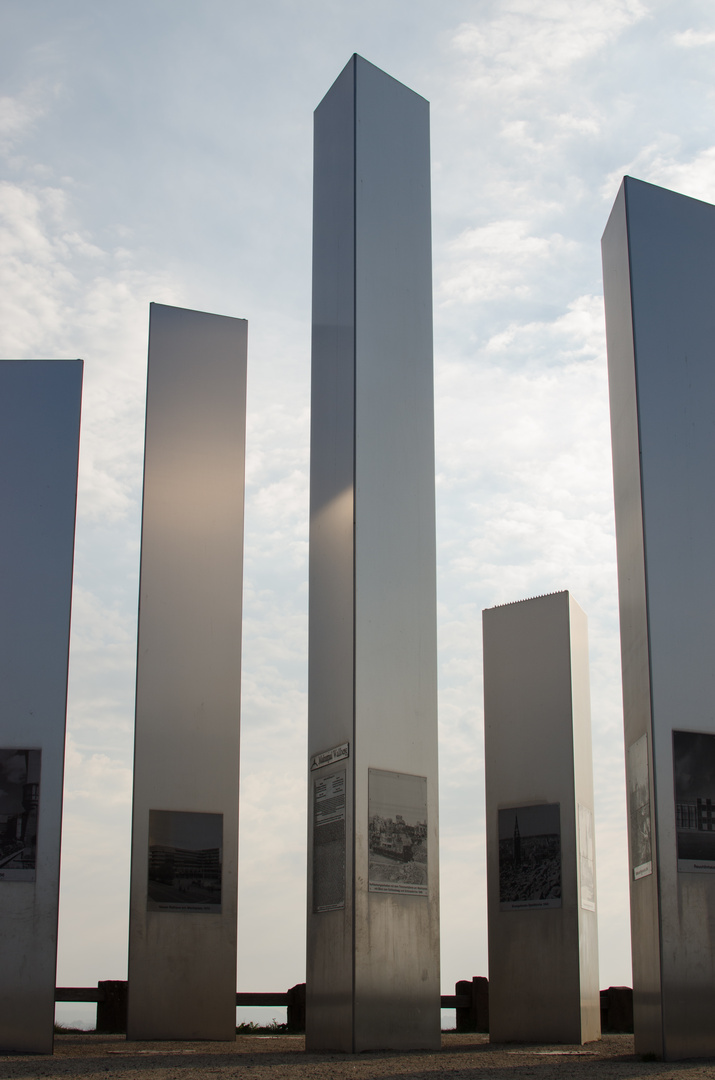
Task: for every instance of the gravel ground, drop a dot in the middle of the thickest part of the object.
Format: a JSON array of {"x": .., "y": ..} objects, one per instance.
[{"x": 283, "y": 1057}]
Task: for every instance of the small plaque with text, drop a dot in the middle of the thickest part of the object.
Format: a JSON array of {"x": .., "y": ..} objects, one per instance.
[{"x": 338, "y": 753}]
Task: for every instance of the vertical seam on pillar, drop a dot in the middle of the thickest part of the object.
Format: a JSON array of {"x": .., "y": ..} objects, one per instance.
[
  {"x": 354, "y": 553},
  {"x": 577, "y": 854},
  {"x": 651, "y": 730},
  {"x": 69, "y": 633},
  {"x": 132, "y": 849}
]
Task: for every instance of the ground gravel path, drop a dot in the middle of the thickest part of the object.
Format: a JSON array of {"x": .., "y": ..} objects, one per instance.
[{"x": 283, "y": 1057}]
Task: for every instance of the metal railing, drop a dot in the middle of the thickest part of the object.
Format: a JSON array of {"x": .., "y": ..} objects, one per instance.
[
  {"x": 111, "y": 1000},
  {"x": 470, "y": 1000}
]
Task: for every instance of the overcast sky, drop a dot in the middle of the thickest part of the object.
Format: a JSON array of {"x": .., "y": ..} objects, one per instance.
[{"x": 162, "y": 150}]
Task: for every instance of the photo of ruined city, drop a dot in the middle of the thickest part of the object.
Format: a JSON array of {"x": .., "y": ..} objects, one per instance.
[
  {"x": 530, "y": 857},
  {"x": 397, "y": 833},
  {"x": 19, "y": 802},
  {"x": 694, "y": 771},
  {"x": 185, "y": 856}
]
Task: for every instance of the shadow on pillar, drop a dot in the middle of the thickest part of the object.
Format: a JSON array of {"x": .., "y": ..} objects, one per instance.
[
  {"x": 475, "y": 1016},
  {"x": 296, "y": 1008},
  {"x": 617, "y": 1010},
  {"x": 112, "y": 1007}
]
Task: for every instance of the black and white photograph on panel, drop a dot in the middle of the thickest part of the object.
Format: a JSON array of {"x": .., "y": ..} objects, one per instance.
[
  {"x": 397, "y": 813},
  {"x": 19, "y": 802},
  {"x": 639, "y": 808},
  {"x": 530, "y": 857},
  {"x": 694, "y": 769},
  {"x": 329, "y": 842},
  {"x": 185, "y": 857}
]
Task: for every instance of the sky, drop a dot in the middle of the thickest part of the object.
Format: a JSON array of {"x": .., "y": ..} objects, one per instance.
[{"x": 162, "y": 151}]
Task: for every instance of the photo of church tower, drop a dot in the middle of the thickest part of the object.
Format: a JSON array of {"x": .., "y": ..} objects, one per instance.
[{"x": 530, "y": 857}]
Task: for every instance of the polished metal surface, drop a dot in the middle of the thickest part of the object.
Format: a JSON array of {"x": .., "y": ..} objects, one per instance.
[
  {"x": 543, "y": 948},
  {"x": 659, "y": 279},
  {"x": 39, "y": 443},
  {"x": 182, "y": 957},
  {"x": 645, "y": 932},
  {"x": 373, "y": 963}
]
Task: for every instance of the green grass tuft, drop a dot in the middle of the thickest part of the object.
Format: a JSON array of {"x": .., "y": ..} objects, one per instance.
[{"x": 274, "y": 1028}]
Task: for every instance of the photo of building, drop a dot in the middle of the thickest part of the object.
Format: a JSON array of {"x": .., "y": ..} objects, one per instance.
[
  {"x": 397, "y": 834},
  {"x": 19, "y": 801},
  {"x": 694, "y": 769},
  {"x": 184, "y": 861}
]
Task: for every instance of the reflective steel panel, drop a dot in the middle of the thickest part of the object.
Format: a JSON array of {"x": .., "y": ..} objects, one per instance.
[
  {"x": 373, "y": 946},
  {"x": 543, "y": 935},
  {"x": 659, "y": 277},
  {"x": 39, "y": 444},
  {"x": 182, "y": 932}
]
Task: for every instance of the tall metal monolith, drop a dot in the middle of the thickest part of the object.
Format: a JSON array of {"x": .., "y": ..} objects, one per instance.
[
  {"x": 39, "y": 445},
  {"x": 659, "y": 283},
  {"x": 373, "y": 902},
  {"x": 541, "y": 873},
  {"x": 182, "y": 927}
]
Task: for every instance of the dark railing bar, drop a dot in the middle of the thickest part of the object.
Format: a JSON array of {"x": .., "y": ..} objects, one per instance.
[
  {"x": 79, "y": 993},
  {"x": 96, "y": 994},
  {"x": 455, "y": 1001},
  {"x": 261, "y": 999},
  {"x": 471, "y": 1002}
]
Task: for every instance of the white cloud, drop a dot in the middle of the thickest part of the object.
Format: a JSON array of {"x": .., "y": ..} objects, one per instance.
[
  {"x": 694, "y": 39},
  {"x": 96, "y": 778},
  {"x": 19, "y": 113},
  {"x": 495, "y": 260},
  {"x": 662, "y": 162},
  {"x": 530, "y": 43},
  {"x": 579, "y": 332},
  {"x": 694, "y": 177}
]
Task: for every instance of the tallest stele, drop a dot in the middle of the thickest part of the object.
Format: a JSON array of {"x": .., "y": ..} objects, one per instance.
[{"x": 373, "y": 886}]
